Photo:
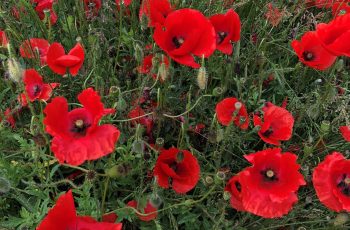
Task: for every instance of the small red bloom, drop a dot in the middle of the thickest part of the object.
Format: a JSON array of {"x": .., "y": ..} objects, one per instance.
[
  {"x": 345, "y": 132},
  {"x": 35, "y": 47},
  {"x": 273, "y": 14},
  {"x": 228, "y": 29},
  {"x": 276, "y": 126},
  {"x": 234, "y": 187},
  {"x": 59, "y": 62},
  {"x": 331, "y": 179},
  {"x": 148, "y": 209},
  {"x": 186, "y": 32},
  {"x": 43, "y": 5},
  {"x": 35, "y": 87},
  {"x": 92, "y": 7},
  {"x": 9, "y": 118},
  {"x": 178, "y": 165},
  {"x": 126, "y": 3},
  {"x": 147, "y": 121},
  {"x": 147, "y": 65},
  {"x": 77, "y": 137},
  {"x": 155, "y": 10},
  {"x": 269, "y": 186},
  {"x": 335, "y": 35},
  {"x": 3, "y": 39},
  {"x": 63, "y": 216},
  {"x": 311, "y": 52},
  {"x": 230, "y": 109}
]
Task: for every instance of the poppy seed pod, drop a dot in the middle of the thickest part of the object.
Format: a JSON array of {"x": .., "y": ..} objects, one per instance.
[{"x": 217, "y": 91}]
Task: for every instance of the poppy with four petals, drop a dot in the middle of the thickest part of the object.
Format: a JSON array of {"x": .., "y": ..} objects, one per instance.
[
  {"x": 178, "y": 169},
  {"x": 276, "y": 125},
  {"x": 77, "y": 135},
  {"x": 312, "y": 53},
  {"x": 59, "y": 62},
  {"x": 186, "y": 32},
  {"x": 35, "y": 87},
  {"x": 228, "y": 29},
  {"x": 331, "y": 180},
  {"x": 64, "y": 216},
  {"x": 231, "y": 110},
  {"x": 35, "y": 47}
]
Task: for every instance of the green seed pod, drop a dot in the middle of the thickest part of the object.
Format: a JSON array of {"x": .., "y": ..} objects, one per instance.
[{"x": 217, "y": 91}]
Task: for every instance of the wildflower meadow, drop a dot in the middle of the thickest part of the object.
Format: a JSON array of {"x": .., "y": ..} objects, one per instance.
[{"x": 174, "y": 114}]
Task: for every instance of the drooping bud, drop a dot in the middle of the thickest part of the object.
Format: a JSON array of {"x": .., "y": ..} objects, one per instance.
[{"x": 325, "y": 127}]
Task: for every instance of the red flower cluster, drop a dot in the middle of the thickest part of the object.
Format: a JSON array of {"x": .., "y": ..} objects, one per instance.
[
  {"x": 276, "y": 125},
  {"x": 63, "y": 216},
  {"x": 147, "y": 209},
  {"x": 178, "y": 165},
  {"x": 35, "y": 87},
  {"x": 59, "y": 62},
  {"x": 331, "y": 179},
  {"x": 35, "y": 47},
  {"x": 230, "y": 109},
  {"x": 268, "y": 187},
  {"x": 320, "y": 49},
  {"x": 77, "y": 135}
]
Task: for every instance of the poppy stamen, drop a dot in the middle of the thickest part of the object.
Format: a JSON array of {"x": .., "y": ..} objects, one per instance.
[
  {"x": 79, "y": 123},
  {"x": 178, "y": 41},
  {"x": 238, "y": 186},
  {"x": 80, "y": 127},
  {"x": 221, "y": 37},
  {"x": 344, "y": 185},
  {"x": 36, "y": 89},
  {"x": 308, "y": 56},
  {"x": 268, "y": 132},
  {"x": 269, "y": 175}
]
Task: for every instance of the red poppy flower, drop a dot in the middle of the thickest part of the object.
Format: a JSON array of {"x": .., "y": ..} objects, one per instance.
[
  {"x": 77, "y": 137},
  {"x": 269, "y": 186},
  {"x": 331, "y": 179},
  {"x": 147, "y": 121},
  {"x": 335, "y": 35},
  {"x": 228, "y": 29},
  {"x": 179, "y": 166},
  {"x": 345, "y": 132},
  {"x": 234, "y": 187},
  {"x": 126, "y": 3},
  {"x": 340, "y": 8},
  {"x": 59, "y": 62},
  {"x": 230, "y": 109},
  {"x": 147, "y": 65},
  {"x": 276, "y": 126},
  {"x": 155, "y": 10},
  {"x": 186, "y": 32},
  {"x": 92, "y": 7},
  {"x": 148, "y": 209},
  {"x": 274, "y": 15},
  {"x": 311, "y": 52},
  {"x": 324, "y": 3},
  {"x": 63, "y": 216},
  {"x": 35, "y": 46},
  {"x": 35, "y": 87},
  {"x": 9, "y": 118},
  {"x": 43, "y": 5},
  {"x": 3, "y": 39}
]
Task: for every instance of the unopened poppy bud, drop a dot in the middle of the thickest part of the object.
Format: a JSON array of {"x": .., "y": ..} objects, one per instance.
[
  {"x": 15, "y": 70},
  {"x": 339, "y": 66},
  {"x": 308, "y": 150},
  {"x": 238, "y": 105},
  {"x": 341, "y": 219},
  {"x": 160, "y": 142},
  {"x": 155, "y": 200},
  {"x": 114, "y": 89},
  {"x": 121, "y": 104},
  {"x": 220, "y": 175},
  {"x": 4, "y": 185},
  {"x": 78, "y": 39},
  {"x": 138, "y": 53},
  {"x": 202, "y": 78},
  {"x": 138, "y": 146},
  {"x": 163, "y": 72},
  {"x": 188, "y": 202},
  {"x": 325, "y": 127},
  {"x": 208, "y": 180},
  {"x": 117, "y": 171},
  {"x": 217, "y": 91},
  {"x": 227, "y": 195}
]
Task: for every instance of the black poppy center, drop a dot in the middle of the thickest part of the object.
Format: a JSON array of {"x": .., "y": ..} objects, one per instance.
[
  {"x": 178, "y": 41},
  {"x": 344, "y": 185},
  {"x": 80, "y": 127},
  {"x": 269, "y": 175},
  {"x": 268, "y": 132},
  {"x": 221, "y": 36},
  {"x": 36, "y": 90},
  {"x": 238, "y": 186},
  {"x": 308, "y": 56}
]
